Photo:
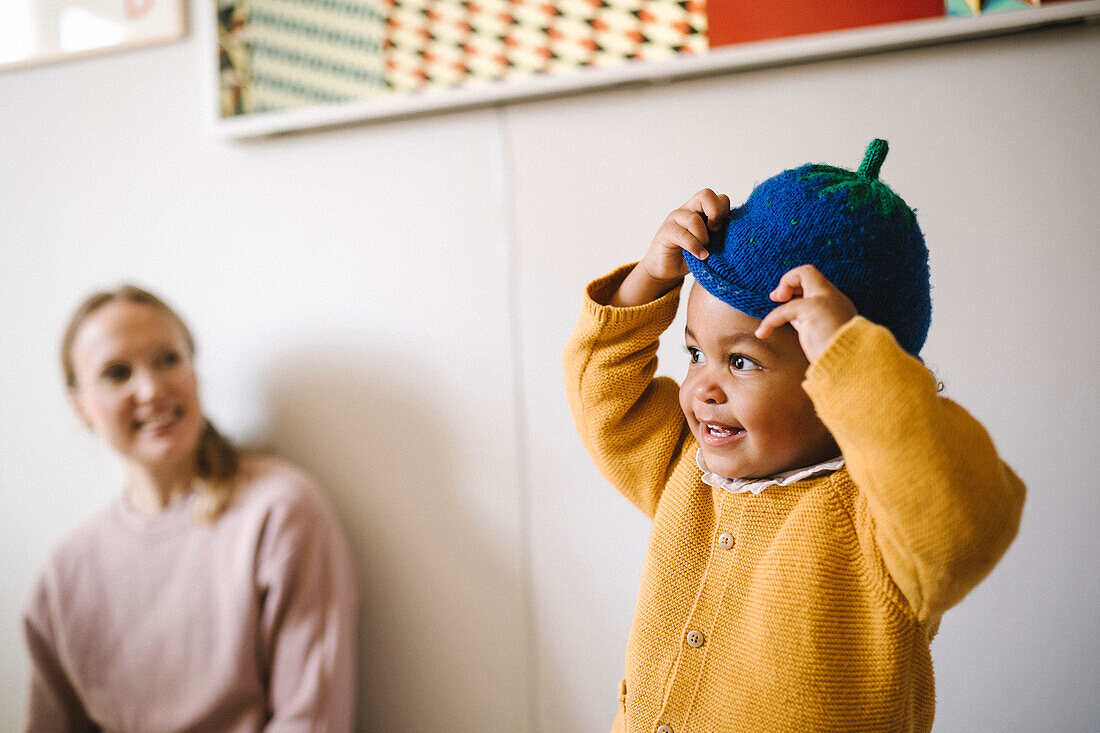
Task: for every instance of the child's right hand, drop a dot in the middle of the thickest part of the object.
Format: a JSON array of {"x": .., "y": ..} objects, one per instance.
[
  {"x": 688, "y": 227},
  {"x": 663, "y": 268}
]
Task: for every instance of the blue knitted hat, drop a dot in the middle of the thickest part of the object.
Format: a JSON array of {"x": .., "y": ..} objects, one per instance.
[{"x": 860, "y": 234}]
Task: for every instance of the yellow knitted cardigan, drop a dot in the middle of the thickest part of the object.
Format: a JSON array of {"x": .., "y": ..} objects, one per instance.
[{"x": 819, "y": 615}]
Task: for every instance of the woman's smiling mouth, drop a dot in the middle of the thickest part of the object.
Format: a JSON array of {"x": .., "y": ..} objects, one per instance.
[{"x": 160, "y": 421}]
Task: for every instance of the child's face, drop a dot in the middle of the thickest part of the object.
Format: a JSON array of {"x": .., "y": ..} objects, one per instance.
[{"x": 743, "y": 397}]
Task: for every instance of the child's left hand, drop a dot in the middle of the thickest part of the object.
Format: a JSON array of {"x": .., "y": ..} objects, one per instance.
[{"x": 812, "y": 304}]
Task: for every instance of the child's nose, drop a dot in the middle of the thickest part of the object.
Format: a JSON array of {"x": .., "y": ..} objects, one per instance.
[{"x": 707, "y": 389}]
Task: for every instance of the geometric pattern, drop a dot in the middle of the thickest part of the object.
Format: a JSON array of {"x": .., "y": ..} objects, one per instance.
[
  {"x": 309, "y": 52},
  {"x": 449, "y": 42},
  {"x": 233, "y": 76},
  {"x": 976, "y": 7},
  {"x": 282, "y": 54}
]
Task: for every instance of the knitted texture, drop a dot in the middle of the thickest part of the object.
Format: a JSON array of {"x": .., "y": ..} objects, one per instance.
[
  {"x": 819, "y": 617},
  {"x": 851, "y": 226}
]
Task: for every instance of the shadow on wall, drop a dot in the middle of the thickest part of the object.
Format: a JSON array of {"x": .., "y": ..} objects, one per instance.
[{"x": 443, "y": 637}]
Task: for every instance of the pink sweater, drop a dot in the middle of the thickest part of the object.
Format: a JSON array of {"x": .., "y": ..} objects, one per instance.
[{"x": 160, "y": 624}]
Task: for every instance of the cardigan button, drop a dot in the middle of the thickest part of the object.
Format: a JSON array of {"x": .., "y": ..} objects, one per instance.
[
  {"x": 664, "y": 729},
  {"x": 695, "y": 639},
  {"x": 725, "y": 541}
]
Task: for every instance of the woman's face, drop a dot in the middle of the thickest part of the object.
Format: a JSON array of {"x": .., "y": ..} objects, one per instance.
[{"x": 136, "y": 386}]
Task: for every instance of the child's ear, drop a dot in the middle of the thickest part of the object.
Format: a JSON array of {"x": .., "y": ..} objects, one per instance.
[{"x": 78, "y": 407}]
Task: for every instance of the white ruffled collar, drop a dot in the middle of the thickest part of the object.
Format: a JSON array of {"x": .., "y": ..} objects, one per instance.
[{"x": 756, "y": 485}]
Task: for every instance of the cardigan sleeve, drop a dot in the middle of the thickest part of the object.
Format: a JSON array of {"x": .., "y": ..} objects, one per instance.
[
  {"x": 53, "y": 704},
  {"x": 308, "y": 616},
  {"x": 630, "y": 422},
  {"x": 943, "y": 506}
]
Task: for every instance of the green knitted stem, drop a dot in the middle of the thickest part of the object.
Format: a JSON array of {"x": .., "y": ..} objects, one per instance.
[
  {"x": 872, "y": 159},
  {"x": 862, "y": 187}
]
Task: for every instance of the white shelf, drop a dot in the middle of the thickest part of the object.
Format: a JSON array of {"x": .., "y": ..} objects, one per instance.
[{"x": 728, "y": 59}]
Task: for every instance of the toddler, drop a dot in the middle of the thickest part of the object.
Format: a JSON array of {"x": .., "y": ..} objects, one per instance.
[{"x": 816, "y": 503}]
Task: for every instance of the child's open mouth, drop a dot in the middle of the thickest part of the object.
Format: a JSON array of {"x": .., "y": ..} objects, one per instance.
[{"x": 716, "y": 434}]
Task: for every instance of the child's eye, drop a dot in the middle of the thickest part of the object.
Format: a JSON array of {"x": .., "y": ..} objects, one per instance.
[
  {"x": 742, "y": 363},
  {"x": 116, "y": 373},
  {"x": 695, "y": 356}
]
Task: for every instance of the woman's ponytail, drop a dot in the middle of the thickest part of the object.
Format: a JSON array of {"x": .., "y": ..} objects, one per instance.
[{"x": 217, "y": 464}]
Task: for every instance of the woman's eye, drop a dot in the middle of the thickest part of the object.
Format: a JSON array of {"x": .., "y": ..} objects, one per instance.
[
  {"x": 169, "y": 358},
  {"x": 742, "y": 363},
  {"x": 117, "y": 373},
  {"x": 695, "y": 356}
]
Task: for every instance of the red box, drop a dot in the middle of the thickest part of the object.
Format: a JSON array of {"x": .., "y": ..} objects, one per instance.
[{"x": 740, "y": 21}]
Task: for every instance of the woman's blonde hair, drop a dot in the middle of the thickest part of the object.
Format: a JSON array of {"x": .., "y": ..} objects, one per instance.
[{"x": 218, "y": 460}]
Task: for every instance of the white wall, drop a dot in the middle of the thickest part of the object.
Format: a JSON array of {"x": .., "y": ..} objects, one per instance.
[{"x": 386, "y": 305}]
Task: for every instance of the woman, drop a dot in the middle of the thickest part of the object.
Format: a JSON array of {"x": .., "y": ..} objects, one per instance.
[{"x": 217, "y": 593}]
